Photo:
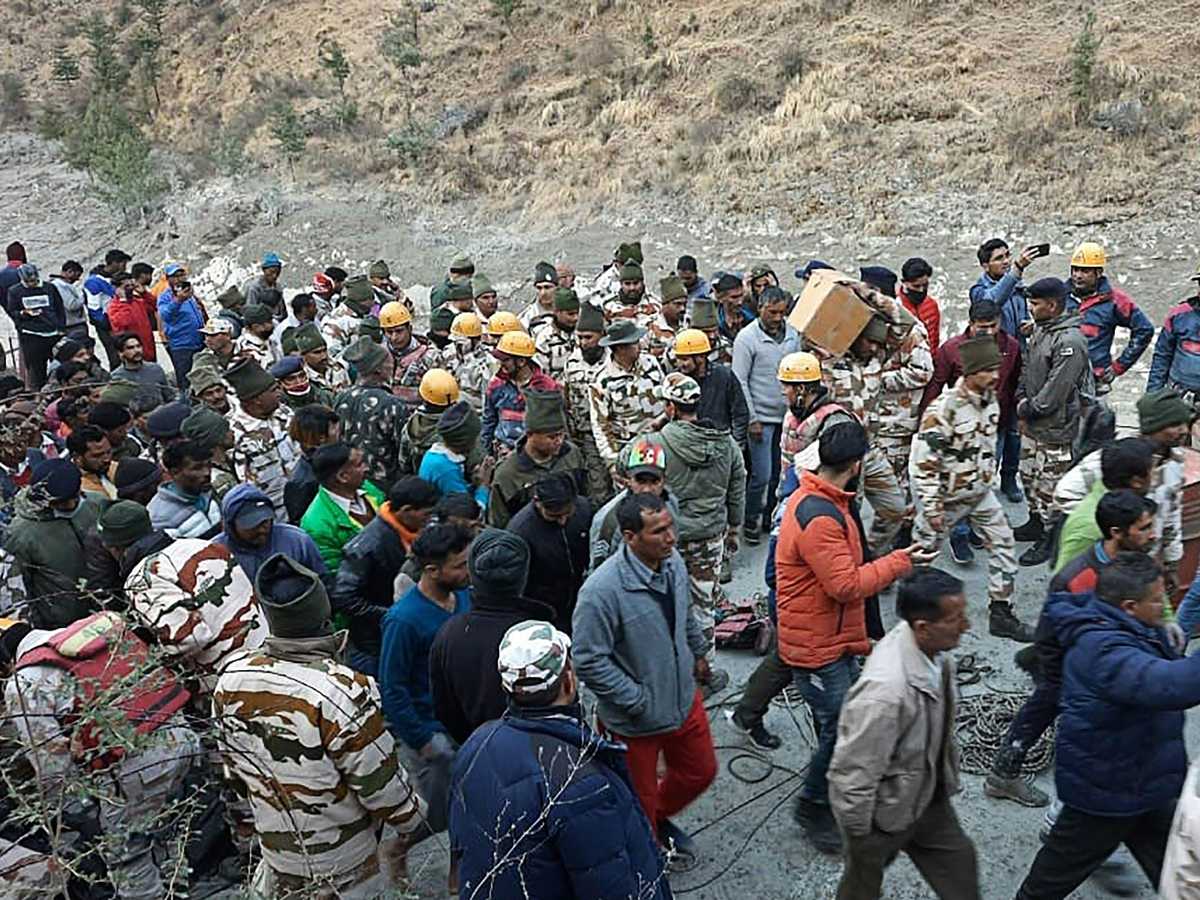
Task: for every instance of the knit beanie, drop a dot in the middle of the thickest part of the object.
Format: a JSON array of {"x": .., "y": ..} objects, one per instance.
[
  {"x": 459, "y": 427},
  {"x": 498, "y": 563},
  {"x": 293, "y": 599},
  {"x": 123, "y": 523},
  {"x": 134, "y": 475}
]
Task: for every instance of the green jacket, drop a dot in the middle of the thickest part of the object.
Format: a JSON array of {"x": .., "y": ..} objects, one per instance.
[
  {"x": 49, "y": 551},
  {"x": 515, "y": 478},
  {"x": 706, "y": 474},
  {"x": 1079, "y": 530},
  {"x": 331, "y": 528}
]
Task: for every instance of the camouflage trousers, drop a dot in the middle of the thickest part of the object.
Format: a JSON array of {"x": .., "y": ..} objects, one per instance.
[
  {"x": 1042, "y": 465},
  {"x": 883, "y": 491},
  {"x": 599, "y": 481},
  {"x": 990, "y": 523},
  {"x": 703, "y": 560},
  {"x": 132, "y": 817},
  {"x": 897, "y": 448},
  {"x": 366, "y": 881},
  {"x": 29, "y": 875}
]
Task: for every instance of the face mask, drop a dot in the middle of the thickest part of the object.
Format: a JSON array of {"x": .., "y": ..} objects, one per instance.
[
  {"x": 852, "y": 485},
  {"x": 299, "y": 391},
  {"x": 592, "y": 355},
  {"x": 439, "y": 340},
  {"x": 917, "y": 296}
]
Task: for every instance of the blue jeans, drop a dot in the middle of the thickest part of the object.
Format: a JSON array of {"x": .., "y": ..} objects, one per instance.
[
  {"x": 824, "y": 690},
  {"x": 181, "y": 360},
  {"x": 363, "y": 662},
  {"x": 1008, "y": 450},
  {"x": 764, "y": 477},
  {"x": 1187, "y": 616}
]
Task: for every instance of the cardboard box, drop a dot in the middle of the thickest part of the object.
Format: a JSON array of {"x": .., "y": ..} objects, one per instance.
[{"x": 829, "y": 313}]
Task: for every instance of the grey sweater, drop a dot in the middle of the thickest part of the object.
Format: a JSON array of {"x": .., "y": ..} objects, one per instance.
[
  {"x": 642, "y": 673},
  {"x": 756, "y": 357}
]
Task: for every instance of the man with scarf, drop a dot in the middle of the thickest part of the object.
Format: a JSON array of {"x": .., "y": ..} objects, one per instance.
[{"x": 298, "y": 389}]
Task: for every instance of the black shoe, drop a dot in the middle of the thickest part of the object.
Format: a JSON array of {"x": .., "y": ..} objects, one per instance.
[
  {"x": 751, "y": 536},
  {"x": 758, "y": 734},
  {"x": 974, "y": 540},
  {"x": 960, "y": 549},
  {"x": 726, "y": 570},
  {"x": 1039, "y": 552},
  {"x": 1026, "y": 659},
  {"x": 1010, "y": 487},
  {"x": 1003, "y": 622},
  {"x": 819, "y": 826},
  {"x": 1030, "y": 531}
]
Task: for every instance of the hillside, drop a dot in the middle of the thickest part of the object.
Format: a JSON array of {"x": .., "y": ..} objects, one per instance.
[{"x": 819, "y": 109}]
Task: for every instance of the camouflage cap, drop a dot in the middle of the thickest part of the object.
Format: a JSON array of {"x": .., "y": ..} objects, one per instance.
[
  {"x": 231, "y": 298},
  {"x": 680, "y": 388},
  {"x": 201, "y": 378},
  {"x": 533, "y": 656}
]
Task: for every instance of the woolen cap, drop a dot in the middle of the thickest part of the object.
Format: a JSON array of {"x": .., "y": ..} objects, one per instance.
[
  {"x": 876, "y": 329},
  {"x": 248, "y": 379},
  {"x": 632, "y": 272},
  {"x": 134, "y": 474},
  {"x": 978, "y": 354},
  {"x": 293, "y": 599},
  {"x": 460, "y": 290},
  {"x": 544, "y": 411},
  {"x": 1162, "y": 409},
  {"x": 704, "y": 314},
  {"x": 123, "y": 523},
  {"x": 498, "y": 563},
  {"x": 379, "y": 269},
  {"x": 459, "y": 427},
  {"x": 308, "y": 337},
  {"x": 257, "y": 314},
  {"x": 59, "y": 477},
  {"x": 566, "y": 300},
  {"x": 671, "y": 288},
  {"x": 630, "y": 252},
  {"x": 545, "y": 273},
  {"x": 206, "y": 425},
  {"x": 358, "y": 289},
  {"x": 481, "y": 285},
  {"x": 165, "y": 422},
  {"x": 366, "y": 355},
  {"x": 591, "y": 318},
  {"x": 231, "y": 298}
]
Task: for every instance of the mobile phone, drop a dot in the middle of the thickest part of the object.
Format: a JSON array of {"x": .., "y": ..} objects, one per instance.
[{"x": 1040, "y": 250}]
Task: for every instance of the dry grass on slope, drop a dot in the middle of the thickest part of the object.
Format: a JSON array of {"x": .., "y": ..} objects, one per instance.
[{"x": 817, "y": 107}]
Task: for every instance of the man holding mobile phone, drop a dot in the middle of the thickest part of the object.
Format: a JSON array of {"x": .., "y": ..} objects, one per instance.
[{"x": 1104, "y": 308}]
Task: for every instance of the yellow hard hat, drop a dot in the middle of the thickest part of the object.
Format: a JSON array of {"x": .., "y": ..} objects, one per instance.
[
  {"x": 439, "y": 387},
  {"x": 394, "y": 314},
  {"x": 799, "y": 368},
  {"x": 691, "y": 341},
  {"x": 1089, "y": 255},
  {"x": 503, "y": 322},
  {"x": 516, "y": 343},
  {"x": 467, "y": 324}
]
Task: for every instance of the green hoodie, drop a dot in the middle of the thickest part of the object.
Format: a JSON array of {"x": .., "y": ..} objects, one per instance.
[{"x": 706, "y": 474}]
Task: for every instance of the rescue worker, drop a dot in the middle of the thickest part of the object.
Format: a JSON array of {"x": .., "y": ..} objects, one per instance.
[
  {"x": 439, "y": 391},
  {"x": 625, "y": 394},
  {"x": 541, "y": 310},
  {"x": 262, "y": 454},
  {"x": 412, "y": 354},
  {"x": 504, "y": 402},
  {"x": 467, "y": 358},
  {"x": 371, "y": 416},
  {"x": 661, "y": 330},
  {"x": 1176, "y": 360},
  {"x": 632, "y": 301}
]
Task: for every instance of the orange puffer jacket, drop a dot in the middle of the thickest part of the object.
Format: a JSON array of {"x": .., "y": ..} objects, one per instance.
[{"x": 821, "y": 581}]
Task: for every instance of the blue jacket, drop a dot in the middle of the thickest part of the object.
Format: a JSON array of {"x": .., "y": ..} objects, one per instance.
[
  {"x": 409, "y": 628},
  {"x": 284, "y": 538},
  {"x": 1177, "y": 352},
  {"x": 1009, "y": 294},
  {"x": 1120, "y": 748},
  {"x": 445, "y": 470},
  {"x": 560, "y": 798},
  {"x": 1102, "y": 313},
  {"x": 181, "y": 322}
]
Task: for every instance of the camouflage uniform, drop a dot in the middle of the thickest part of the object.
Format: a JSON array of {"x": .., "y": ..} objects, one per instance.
[
  {"x": 660, "y": 337},
  {"x": 553, "y": 346},
  {"x": 624, "y": 404},
  {"x": 645, "y": 312},
  {"x": 577, "y": 381},
  {"x": 860, "y": 385},
  {"x": 796, "y": 436},
  {"x": 340, "y": 328},
  {"x": 29, "y": 874},
  {"x": 471, "y": 368},
  {"x": 196, "y": 600},
  {"x": 373, "y": 420},
  {"x": 335, "y": 379},
  {"x": 953, "y": 467},
  {"x": 905, "y": 373},
  {"x": 534, "y": 316},
  {"x": 263, "y": 454},
  {"x": 259, "y": 349},
  {"x": 306, "y": 736},
  {"x": 411, "y": 365},
  {"x": 224, "y": 479},
  {"x": 1042, "y": 465},
  {"x": 206, "y": 359}
]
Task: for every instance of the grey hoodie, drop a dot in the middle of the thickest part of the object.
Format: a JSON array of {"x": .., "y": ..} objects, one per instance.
[{"x": 641, "y": 672}]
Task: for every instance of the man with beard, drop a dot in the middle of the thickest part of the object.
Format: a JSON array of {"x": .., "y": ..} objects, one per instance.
[
  {"x": 385, "y": 289},
  {"x": 208, "y": 388},
  {"x": 952, "y": 467},
  {"x": 582, "y": 366},
  {"x": 412, "y": 355},
  {"x": 185, "y": 507},
  {"x": 255, "y": 341},
  {"x": 662, "y": 329},
  {"x": 545, "y": 282},
  {"x": 555, "y": 339},
  {"x": 218, "y": 345},
  {"x": 633, "y": 301},
  {"x": 298, "y": 390}
]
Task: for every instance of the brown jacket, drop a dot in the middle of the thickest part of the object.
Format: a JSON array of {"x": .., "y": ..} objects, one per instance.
[{"x": 885, "y": 768}]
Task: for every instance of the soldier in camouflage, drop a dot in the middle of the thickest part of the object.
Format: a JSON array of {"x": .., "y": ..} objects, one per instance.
[
  {"x": 207, "y": 387},
  {"x": 661, "y": 330},
  {"x": 857, "y": 380},
  {"x": 468, "y": 359},
  {"x": 372, "y": 418},
  {"x": 625, "y": 395},
  {"x": 541, "y": 310},
  {"x": 343, "y": 324},
  {"x": 263, "y": 454},
  {"x": 255, "y": 341},
  {"x": 608, "y": 282},
  {"x": 704, "y": 317},
  {"x": 439, "y": 391},
  {"x": 296, "y": 389},
  {"x": 197, "y": 602},
  {"x": 953, "y": 470},
  {"x": 555, "y": 338},
  {"x": 633, "y": 301},
  {"x": 906, "y": 369},
  {"x": 323, "y": 370},
  {"x": 218, "y": 345},
  {"x": 583, "y": 366},
  {"x": 305, "y": 735}
]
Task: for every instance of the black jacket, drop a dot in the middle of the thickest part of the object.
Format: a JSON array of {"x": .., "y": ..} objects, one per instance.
[
  {"x": 300, "y": 489},
  {"x": 722, "y": 401},
  {"x": 558, "y": 558},
  {"x": 462, "y": 662},
  {"x": 363, "y": 588},
  {"x": 45, "y": 298}
]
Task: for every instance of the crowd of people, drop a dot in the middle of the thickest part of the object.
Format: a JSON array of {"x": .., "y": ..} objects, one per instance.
[{"x": 353, "y": 585}]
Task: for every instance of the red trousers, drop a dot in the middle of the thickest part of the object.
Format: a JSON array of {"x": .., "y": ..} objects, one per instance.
[{"x": 691, "y": 765}]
